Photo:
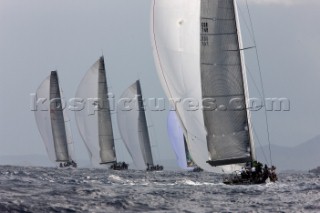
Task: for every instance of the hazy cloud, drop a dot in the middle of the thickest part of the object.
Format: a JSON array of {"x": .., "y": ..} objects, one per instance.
[{"x": 283, "y": 2}]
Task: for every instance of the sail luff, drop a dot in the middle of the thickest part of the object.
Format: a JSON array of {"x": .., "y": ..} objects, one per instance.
[
  {"x": 106, "y": 139},
  {"x": 57, "y": 120}
]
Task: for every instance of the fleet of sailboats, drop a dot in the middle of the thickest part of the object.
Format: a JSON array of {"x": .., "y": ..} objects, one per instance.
[{"x": 198, "y": 53}]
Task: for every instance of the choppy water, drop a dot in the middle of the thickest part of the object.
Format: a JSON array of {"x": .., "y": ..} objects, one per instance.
[{"x": 27, "y": 189}]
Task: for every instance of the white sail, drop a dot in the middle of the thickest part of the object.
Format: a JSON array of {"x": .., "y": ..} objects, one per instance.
[
  {"x": 67, "y": 122},
  {"x": 185, "y": 66},
  {"x": 177, "y": 140},
  {"x": 133, "y": 126},
  {"x": 94, "y": 119},
  {"x": 50, "y": 118}
]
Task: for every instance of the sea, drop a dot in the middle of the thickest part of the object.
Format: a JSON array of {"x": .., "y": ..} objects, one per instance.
[{"x": 36, "y": 189}]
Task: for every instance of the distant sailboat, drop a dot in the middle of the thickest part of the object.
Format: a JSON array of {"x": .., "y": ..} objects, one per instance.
[
  {"x": 198, "y": 54},
  {"x": 178, "y": 142},
  {"x": 133, "y": 128},
  {"x": 94, "y": 121},
  {"x": 53, "y": 122}
]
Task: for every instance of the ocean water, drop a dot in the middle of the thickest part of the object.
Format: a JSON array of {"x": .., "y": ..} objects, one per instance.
[{"x": 32, "y": 189}]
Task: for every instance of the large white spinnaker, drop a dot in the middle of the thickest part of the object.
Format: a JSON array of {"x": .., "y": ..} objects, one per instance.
[
  {"x": 94, "y": 118},
  {"x": 52, "y": 121},
  {"x": 197, "y": 56},
  {"x": 133, "y": 126}
]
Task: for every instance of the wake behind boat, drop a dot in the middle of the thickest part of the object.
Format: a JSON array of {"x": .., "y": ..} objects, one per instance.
[{"x": 53, "y": 123}]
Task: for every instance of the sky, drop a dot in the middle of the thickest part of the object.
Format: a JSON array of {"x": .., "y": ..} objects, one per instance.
[{"x": 37, "y": 36}]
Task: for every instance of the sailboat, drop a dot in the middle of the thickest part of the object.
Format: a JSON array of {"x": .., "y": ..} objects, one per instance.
[
  {"x": 179, "y": 144},
  {"x": 94, "y": 120},
  {"x": 133, "y": 128},
  {"x": 198, "y": 55},
  {"x": 53, "y": 122}
]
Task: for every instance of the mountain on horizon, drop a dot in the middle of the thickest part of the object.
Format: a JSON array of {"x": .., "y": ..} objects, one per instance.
[{"x": 302, "y": 157}]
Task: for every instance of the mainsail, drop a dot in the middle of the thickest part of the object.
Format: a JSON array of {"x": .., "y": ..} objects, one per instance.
[
  {"x": 133, "y": 126},
  {"x": 94, "y": 118},
  {"x": 198, "y": 57},
  {"x": 178, "y": 142},
  {"x": 52, "y": 120}
]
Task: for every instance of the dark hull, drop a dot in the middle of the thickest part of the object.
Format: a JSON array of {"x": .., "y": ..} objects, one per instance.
[
  {"x": 119, "y": 166},
  {"x": 238, "y": 180},
  {"x": 154, "y": 168}
]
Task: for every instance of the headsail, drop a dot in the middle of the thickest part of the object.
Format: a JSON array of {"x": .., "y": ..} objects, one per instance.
[
  {"x": 94, "y": 119},
  {"x": 178, "y": 142},
  {"x": 183, "y": 56},
  {"x": 51, "y": 120},
  {"x": 133, "y": 126}
]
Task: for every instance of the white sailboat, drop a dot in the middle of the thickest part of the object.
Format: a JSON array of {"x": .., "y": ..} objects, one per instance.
[
  {"x": 53, "y": 122},
  {"x": 133, "y": 128},
  {"x": 178, "y": 143},
  {"x": 198, "y": 54},
  {"x": 94, "y": 121}
]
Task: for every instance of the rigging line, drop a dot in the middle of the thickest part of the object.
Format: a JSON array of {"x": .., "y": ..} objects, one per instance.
[
  {"x": 263, "y": 153},
  {"x": 246, "y": 24},
  {"x": 254, "y": 82},
  {"x": 261, "y": 81}
]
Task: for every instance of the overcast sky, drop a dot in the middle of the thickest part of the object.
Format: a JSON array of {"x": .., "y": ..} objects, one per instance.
[{"x": 37, "y": 36}]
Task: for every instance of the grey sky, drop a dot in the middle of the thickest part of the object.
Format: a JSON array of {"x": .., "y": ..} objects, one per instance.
[{"x": 37, "y": 36}]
